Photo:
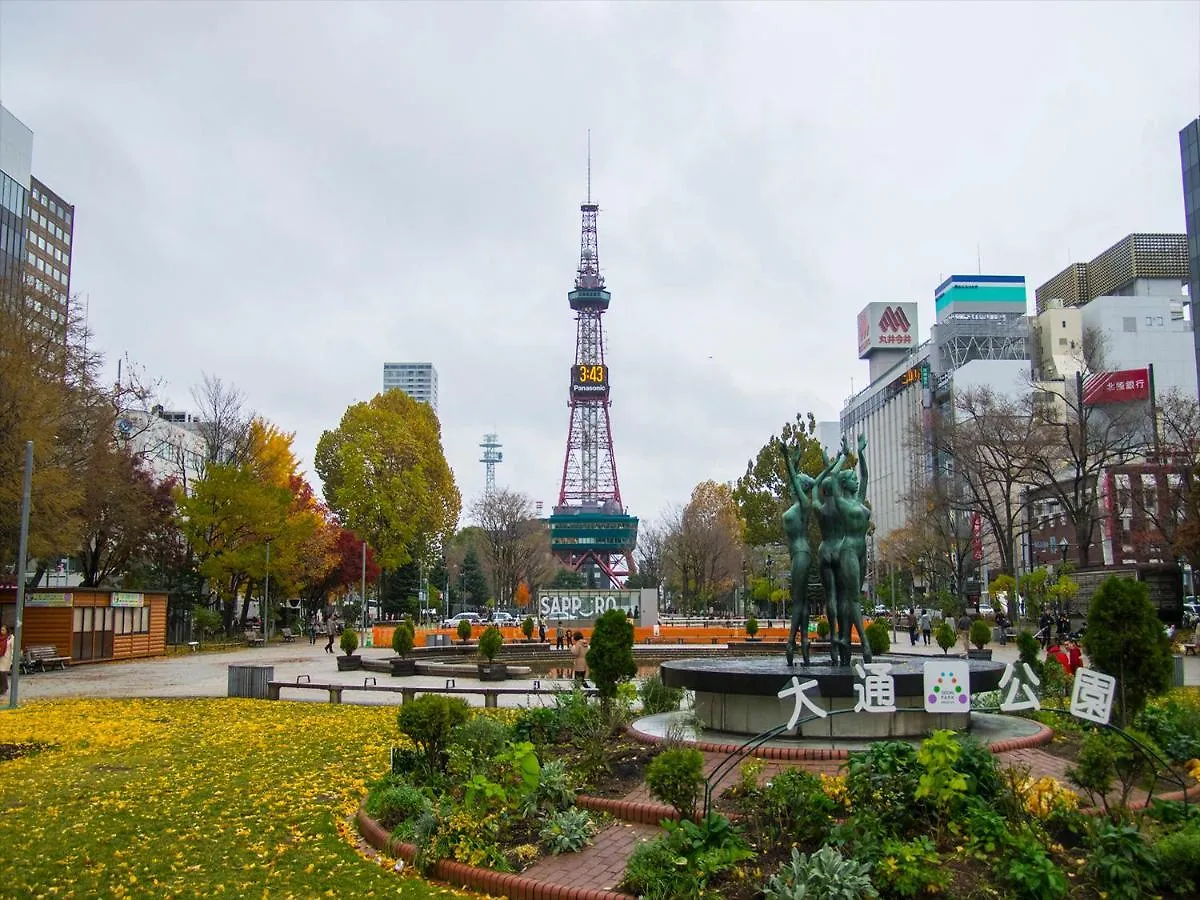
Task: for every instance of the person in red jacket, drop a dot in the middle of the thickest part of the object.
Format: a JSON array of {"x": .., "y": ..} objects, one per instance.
[
  {"x": 1076, "y": 657},
  {"x": 1057, "y": 653}
]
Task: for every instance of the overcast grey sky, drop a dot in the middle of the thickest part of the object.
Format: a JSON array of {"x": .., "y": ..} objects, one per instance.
[{"x": 287, "y": 195}]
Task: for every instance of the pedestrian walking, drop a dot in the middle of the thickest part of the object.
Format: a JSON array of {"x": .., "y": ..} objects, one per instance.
[
  {"x": 558, "y": 637},
  {"x": 7, "y": 643},
  {"x": 332, "y": 630},
  {"x": 541, "y": 631},
  {"x": 579, "y": 655},
  {"x": 926, "y": 627},
  {"x": 912, "y": 626}
]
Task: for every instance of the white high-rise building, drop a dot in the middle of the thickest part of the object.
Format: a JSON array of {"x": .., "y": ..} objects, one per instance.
[{"x": 417, "y": 379}]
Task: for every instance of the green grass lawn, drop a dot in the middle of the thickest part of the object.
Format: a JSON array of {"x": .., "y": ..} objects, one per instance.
[{"x": 153, "y": 798}]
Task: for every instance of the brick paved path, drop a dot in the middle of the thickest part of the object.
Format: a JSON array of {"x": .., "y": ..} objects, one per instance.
[{"x": 600, "y": 866}]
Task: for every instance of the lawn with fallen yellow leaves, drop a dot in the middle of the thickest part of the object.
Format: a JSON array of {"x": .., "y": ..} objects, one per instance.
[{"x": 231, "y": 797}]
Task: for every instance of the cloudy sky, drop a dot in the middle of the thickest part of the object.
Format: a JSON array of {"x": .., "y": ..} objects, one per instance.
[{"x": 287, "y": 195}]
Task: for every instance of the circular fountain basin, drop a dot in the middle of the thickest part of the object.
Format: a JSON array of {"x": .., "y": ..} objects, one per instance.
[{"x": 739, "y": 695}]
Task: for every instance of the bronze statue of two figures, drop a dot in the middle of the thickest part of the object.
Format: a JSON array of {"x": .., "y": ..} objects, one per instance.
[{"x": 838, "y": 497}]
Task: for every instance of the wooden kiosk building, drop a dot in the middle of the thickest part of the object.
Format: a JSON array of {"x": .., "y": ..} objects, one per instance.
[{"x": 90, "y": 624}]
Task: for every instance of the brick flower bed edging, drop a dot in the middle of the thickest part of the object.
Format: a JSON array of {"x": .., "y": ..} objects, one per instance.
[
  {"x": 635, "y": 811},
  {"x": 489, "y": 881},
  {"x": 1043, "y": 735}
]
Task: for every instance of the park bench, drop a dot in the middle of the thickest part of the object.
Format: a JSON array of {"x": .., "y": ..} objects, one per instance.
[
  {"x": 255, "y": 639},
  {"x": 42, "y": 659},
  {"x": 408, "y": 693},
  {"x": 288, "y": 637},
  {"x": 1189, "y": 649}
]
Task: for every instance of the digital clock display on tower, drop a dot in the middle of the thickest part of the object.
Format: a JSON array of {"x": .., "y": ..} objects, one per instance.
[{"x": 589, "y": 379}]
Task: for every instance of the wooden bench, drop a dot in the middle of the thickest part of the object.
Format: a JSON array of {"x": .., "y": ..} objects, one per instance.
[
  {"x": 42, "y": 659},
  {"x": 1189, "y": 649},
  {"x": 288, "y": 637},
  {"x": 255, "y": 639},
  {"x": 193, "y": 646}
]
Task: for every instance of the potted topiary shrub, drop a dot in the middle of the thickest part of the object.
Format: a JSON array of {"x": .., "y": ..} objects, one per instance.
[
  {"x": 878, "y": 638},
  {"x": 464, "y": 630},
  {"x": 822, "y": 628},
  {"x": 527, "y": 628},
  {"x": 402, "y": 643},
  {"x": 489, "y": 645},
  {"x": 945, "y": 636},
  {"x": 751, "y": 628},
  {"x": 350, "y": 661},
  {"x": 979, "y": 634}
]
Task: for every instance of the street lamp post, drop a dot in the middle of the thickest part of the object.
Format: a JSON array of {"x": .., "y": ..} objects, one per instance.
[{"x": 267, "y": 597}]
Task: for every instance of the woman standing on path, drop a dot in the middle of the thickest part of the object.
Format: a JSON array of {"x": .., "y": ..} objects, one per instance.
[{"x": 579, "y": 654}]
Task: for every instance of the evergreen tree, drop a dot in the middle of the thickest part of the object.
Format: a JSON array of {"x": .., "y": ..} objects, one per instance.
[
  {"x": 474, "y": 581},
  {"x": 610, "y": 654},
  {"x": 1125, "y": 639}
]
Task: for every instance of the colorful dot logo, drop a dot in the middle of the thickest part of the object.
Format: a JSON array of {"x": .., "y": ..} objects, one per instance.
[{"x": 946, "y": 689}]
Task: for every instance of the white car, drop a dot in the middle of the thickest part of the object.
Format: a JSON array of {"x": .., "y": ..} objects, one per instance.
[
  {"x": 453, "y": 621},
  {"x": 503, "y": 619}
]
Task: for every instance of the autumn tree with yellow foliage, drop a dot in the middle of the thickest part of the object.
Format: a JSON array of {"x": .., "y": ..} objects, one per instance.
[{"x": 384, "y": 475}]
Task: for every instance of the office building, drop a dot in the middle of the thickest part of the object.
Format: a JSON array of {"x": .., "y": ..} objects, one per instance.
[
  {"x": 418, "y": 380},
  {"x": 1136, "y": 265},
  {"x": 36, "y": 230},
  {"x": 16, "y": 161},
  {"x": 1189, "y": 153}
]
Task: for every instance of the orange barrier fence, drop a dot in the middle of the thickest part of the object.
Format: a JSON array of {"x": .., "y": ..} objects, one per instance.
[{"x": 381, "y": 635}]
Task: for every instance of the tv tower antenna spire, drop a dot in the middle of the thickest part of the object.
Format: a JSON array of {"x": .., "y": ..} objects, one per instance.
[{"x": 590, "y": 531}]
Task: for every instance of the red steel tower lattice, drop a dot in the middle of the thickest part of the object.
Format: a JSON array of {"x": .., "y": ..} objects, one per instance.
[{"x": 589, "y": 529}]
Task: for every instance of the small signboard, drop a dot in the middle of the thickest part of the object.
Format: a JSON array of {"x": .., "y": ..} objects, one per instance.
[
  {"x": 947, "y": 686},
  {"x": 126, "y": 598},
  {"x": 49, "y": 599}
]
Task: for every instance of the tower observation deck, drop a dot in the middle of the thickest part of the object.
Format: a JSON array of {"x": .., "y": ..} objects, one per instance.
[{"x": 590, "y": 531}]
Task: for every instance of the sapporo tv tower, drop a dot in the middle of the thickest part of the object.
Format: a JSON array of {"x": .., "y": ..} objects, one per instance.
[{"x": 589, "y": 530}]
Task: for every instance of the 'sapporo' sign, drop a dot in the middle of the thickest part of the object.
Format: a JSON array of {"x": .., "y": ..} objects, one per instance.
[{"x": 581, "y": 603}]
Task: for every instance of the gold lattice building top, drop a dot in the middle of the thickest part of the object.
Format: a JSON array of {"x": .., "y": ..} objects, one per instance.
[{"x": 1133, "y": 257}]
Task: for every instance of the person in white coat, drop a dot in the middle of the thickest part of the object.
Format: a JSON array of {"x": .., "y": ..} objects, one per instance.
[{"x": 6, "y": 657}]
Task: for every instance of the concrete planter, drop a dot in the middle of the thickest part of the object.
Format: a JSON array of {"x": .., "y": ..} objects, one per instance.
[
  {"x": 493, "y": 671},
  {"x": 349, "y": 663},
  {"x": 403, "y": 667},
  {"x": 985, "y": 653}
]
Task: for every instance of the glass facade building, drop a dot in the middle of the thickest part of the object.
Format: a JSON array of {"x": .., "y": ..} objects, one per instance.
[{"x": 1189, "y": 153}]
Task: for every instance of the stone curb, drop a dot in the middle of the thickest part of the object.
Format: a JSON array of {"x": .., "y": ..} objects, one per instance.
[
  {"x": 1043, "y": 736},
  {"x": 499, "y": 884}
]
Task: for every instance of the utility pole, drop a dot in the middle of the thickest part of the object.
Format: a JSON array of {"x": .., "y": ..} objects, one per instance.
[
  {"x": 266, "y": 610},
  {"x": 364, "y": 585}
]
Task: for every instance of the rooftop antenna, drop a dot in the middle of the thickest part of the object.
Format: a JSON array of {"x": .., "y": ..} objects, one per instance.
[
  {"x": 491, "y": 455},
  {"x": 589, "y": 199},
  {"x": 979, "y": 259}
]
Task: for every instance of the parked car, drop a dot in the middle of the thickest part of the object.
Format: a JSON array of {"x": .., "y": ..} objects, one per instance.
[
  {"x": 1191, "y": 614},
  {"x": 987, "y": 610},
  {"x": 503, "y": 619},
  {"x": 452, "y": 622}
]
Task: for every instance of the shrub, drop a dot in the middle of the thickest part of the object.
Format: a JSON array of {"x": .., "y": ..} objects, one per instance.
[
  {"x": 1179, "y": 859},
  {"x": 1120, "y": 861},
  {"x": 822, "y": 628},
  {"x": 751, "y": 626},
  {"x": 825, "y": 874},
  {"x": 1028, "y": 649},
  {"x": 490, "y": 642},
  {"x": 1125, "y": 639},
  {"x": 349, "y": 641},
  {"x": 658, "y": 698},
  {"x": 795, "y": 807},
  {"x": 977, "y": 763},
  {"x": 878, "y": 638},
  {"x": 464, "y": 630},
  {"x": 610, "y": 652},
  {"x": 652, "y": 873},
  {"x": 882, "y": 781},
  {"x": 940, "y": 783},
  {"x": 1104, "y": 758},
  {"x": 980, "y": 633},
  {"x": 748, "y": 773},
  {"x": 428, "y": 721},
  {"x": 567, "y": 830},
  {"x": 1174, "y": 727},
  {"x": 402, "y": 638},
  {"x": 675, "y": 776},
  {"x": 538, "y": 724},
  {"x": 476, "y": 741},
  {"x": 911, "y": 868},
  {"x": 1032, "y": 875},
  {"x": 397, "y": 804},
  {"x": 944, "y": 636},
  {"x": 555, "y": 789},
  {"x": 527, "y": 628}
]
